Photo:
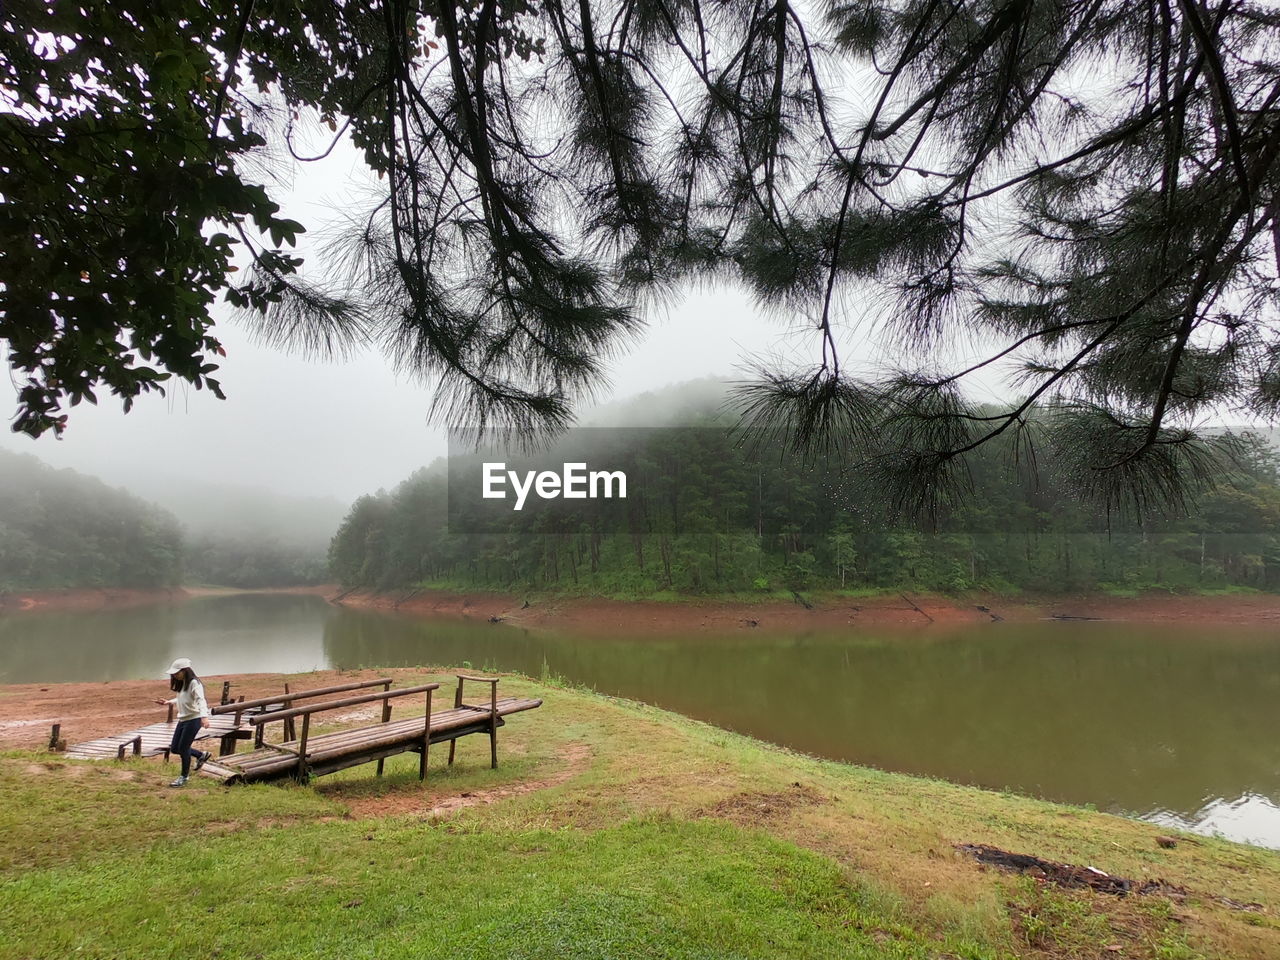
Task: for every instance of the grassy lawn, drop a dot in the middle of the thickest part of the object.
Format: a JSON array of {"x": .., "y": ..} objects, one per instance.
[{"x": 611, "y": 830}]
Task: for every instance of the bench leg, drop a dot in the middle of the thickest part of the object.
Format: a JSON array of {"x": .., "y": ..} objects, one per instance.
[
  {"x": 380, "y": 762},
  {"x": 422, "y": 762},
  {"x": 453, "y": 745},
  {"x": 493, "y": 748}
]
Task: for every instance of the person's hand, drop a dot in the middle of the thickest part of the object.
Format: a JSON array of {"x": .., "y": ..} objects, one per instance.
[
  {"x": 163, "y": 703},
  {"x": 204, "y": 721}
]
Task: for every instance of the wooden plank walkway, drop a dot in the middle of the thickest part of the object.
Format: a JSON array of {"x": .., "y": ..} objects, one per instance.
[
  {"x": 148, "y": 741},
  {"x": 330, "y": 752}
]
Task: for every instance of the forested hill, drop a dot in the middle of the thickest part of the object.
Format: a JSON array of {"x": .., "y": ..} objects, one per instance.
[
  {"x": 708, "y": 516},
  {"x": 59, "y": 528}
]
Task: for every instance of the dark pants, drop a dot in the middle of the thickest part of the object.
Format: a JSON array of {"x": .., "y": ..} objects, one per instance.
[{"x": 184, "y": 735}]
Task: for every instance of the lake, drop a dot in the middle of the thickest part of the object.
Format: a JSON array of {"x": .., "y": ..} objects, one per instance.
[{"x": 1178, "y": 726}]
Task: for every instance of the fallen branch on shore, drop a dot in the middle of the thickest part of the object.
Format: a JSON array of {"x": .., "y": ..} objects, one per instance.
[{"x": 916, "y": 607}]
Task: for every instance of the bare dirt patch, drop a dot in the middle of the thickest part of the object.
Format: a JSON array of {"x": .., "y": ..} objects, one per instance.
[
  {"x": 759, "y": 809},
  {"x": 352, "y": 716},
  {"x": 413, "y": 801}
]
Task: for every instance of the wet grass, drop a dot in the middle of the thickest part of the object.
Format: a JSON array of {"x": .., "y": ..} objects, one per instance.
[{"x": 612, "y": 829}]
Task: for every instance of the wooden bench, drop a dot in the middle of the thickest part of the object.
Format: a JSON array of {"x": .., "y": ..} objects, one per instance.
[
  {"x": 263, "y": 705},
  {"x": 308, "y": 755},
  {"x": 226, "y": 724}
]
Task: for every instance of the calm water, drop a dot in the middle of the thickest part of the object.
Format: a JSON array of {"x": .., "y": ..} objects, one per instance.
[{"x": 1179, "y": 727}]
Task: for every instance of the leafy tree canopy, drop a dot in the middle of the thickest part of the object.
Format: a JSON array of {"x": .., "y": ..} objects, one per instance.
[{"x": 1085, "y": 190}]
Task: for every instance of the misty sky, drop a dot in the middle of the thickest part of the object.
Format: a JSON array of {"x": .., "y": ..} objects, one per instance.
[
  {"x": 333, "y": 428},
  {"x": 340, "y": 429}
]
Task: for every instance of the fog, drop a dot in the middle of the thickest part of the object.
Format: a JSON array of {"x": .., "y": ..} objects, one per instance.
[{"x": 340, "y": 428}]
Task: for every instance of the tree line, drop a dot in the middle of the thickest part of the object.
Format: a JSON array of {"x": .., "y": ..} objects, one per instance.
[
  {"x": 545, "y": 172},
  {"x": 63, "y": 529},
  {"x": 59, "y": 528},
  {"x": 708, "y": 513}
]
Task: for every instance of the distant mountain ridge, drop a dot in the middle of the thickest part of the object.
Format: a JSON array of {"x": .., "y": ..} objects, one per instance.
[{"x": 64, "y": 528}]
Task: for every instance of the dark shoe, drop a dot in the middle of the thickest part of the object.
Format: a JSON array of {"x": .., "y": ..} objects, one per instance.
[{"x": 204, "y": 758}]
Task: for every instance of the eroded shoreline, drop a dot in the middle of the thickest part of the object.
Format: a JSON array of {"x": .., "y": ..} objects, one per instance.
[{"x": 823, "y": 611}]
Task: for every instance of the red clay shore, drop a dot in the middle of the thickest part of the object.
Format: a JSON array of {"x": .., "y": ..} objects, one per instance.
[
  {"x": 589, "y": 614},
  {"x": 99, "y": 709},
  {"x": 647, "y": 616}
]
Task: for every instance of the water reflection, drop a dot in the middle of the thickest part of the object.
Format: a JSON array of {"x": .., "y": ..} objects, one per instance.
[
  {"x": 1178, "y": 726},
  {"x": 1248, "y": 818},
  {"x": 258, "y": 632}
]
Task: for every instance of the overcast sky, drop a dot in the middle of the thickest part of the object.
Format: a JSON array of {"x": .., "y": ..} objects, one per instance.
[
  {"x": 345, "y": 428},
  {"x": 341, "y": 429}
]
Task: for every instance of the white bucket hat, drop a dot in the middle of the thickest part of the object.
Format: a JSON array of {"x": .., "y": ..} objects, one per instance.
[{"x": 179, "y": 664}]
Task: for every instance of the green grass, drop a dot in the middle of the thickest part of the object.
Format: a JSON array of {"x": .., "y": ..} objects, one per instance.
[
  {"x": 1225, "y": 591},
  {"x": 55, "y": 811},
  {"x": 653, "y": 888},
  {"x": 611, "y": 829}
]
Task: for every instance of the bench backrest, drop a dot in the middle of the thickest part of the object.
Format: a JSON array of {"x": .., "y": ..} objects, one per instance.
[
  {"x": 335, "y": 704},
  {"x": 287, "y": 698},
  {"x": 386, "y": 696}
]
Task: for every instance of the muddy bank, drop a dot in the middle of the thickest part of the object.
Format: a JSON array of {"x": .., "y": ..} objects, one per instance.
[{"x": 816, "y": 612}]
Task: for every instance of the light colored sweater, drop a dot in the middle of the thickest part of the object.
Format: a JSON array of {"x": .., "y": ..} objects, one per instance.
[{"x": 190, "y": 702}]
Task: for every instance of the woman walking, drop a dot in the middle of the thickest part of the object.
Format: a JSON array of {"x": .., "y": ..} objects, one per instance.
[{"x": 193, "y": 713}]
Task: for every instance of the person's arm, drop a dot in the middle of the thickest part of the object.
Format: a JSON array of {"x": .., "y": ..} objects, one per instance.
[
  {"x": 166, "y": 703},
  {"x": 201, "y": 705}
]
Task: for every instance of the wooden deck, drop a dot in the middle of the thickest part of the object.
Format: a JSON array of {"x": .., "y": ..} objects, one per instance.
[
  {"x": 329, "y": 752},
  {"x": 148, "y": 741},
  {"x": 303, "y": 756}
]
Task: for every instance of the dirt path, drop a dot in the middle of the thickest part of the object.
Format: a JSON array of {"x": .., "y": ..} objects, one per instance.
[{"x": 575, "y": 756}]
